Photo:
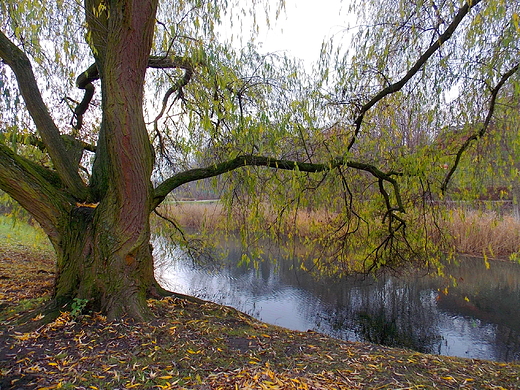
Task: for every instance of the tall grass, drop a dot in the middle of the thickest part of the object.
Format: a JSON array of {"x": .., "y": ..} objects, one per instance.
[
  {"x": 482, "y": 233},
  {"x": 212, "y": 215},
  {"x": 194, "y": 215},
  {"x": 478, "y": 233}
]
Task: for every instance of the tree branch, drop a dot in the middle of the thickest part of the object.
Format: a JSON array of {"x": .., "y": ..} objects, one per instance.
[
  {"x": 395, "y": 87},
  {"x": 251, "y": 160},
  {"x": 85, "y": 80},
  {"x": 35, "y": 188},
  {"x": 34, "y": 140},
  {"x": 174, "y": 62},
  {"x": 485, "y": 125},
  {"x": 21, "y": 66},
  {"x": 177, "y": 87}
]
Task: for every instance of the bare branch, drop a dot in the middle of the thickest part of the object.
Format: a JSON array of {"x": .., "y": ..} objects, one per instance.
[
  {"x": 395, "y": 87},
  {"x": 174, "y": 62},
  {"x": 483, "y": 129},
  {"x": 84, "y": 81}
]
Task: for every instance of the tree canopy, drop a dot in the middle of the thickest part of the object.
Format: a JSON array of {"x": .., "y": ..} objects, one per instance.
[{"x": 104, "y": 115}]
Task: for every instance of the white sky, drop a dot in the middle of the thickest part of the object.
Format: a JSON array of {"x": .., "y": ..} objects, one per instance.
[{"x": 300, "y": 29}]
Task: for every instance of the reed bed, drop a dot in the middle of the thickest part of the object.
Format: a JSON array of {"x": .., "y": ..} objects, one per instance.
[
  {"x": 212, "y": 215},
  {"x": 195, "y": 215},
  {"x": 472, "y": 232},
  {"x": 483, "y": 233}
]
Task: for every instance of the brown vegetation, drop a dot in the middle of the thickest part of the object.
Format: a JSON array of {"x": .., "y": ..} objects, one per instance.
[
  {"x": 483, "y": 233},
  {"x": 471, "y": 232}
]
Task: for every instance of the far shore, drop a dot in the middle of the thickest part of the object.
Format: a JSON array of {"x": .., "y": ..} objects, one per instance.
[{"x": 468, "y": 231}]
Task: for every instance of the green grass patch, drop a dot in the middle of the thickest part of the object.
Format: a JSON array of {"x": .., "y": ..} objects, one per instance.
[{"x": 18, "y": 233}]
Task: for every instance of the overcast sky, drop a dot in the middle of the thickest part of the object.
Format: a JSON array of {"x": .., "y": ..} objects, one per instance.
[{"x": 300, "y": 29}]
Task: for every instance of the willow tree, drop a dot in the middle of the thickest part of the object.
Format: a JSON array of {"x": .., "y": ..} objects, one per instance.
[{"x": 93, "y": 181}]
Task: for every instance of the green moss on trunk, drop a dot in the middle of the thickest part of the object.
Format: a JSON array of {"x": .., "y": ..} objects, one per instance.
[{"x": 94, "y": 264}]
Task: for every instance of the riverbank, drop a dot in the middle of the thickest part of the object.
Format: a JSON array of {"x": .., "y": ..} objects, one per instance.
[{"x": 198, "y": 345}]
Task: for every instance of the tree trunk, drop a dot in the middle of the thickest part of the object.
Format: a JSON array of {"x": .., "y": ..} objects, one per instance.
[
  {"x": 103, "y": 252},
  {"x": 107, "y": 256},
  {"x": 115, "y": 282}
]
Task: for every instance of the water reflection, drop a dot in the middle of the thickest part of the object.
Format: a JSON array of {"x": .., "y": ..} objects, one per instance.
[{"x": 477, "y": 318}]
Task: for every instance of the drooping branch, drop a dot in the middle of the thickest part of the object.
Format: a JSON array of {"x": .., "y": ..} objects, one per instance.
[
  {"x": 18, "y": 61},
  {"x": 177, "y": 87},
  {"x": 397, "y": 86},
  {"x": 260, "y": 161},
  {"x": 479, "y": 134}
]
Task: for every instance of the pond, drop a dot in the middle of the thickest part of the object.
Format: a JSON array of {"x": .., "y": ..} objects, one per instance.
[{"x": 479, "y": 317}]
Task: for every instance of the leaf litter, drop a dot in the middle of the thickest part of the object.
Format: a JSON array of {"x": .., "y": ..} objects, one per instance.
[{"x": 201, "y": 346}]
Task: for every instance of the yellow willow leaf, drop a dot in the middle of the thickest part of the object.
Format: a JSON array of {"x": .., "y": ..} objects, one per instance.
[
  {"x": 516, "y": 21},
  {"x": 22, "y": 336},
  {"x": 166, "y": 377},
  {"x": 448, "y": 378}
]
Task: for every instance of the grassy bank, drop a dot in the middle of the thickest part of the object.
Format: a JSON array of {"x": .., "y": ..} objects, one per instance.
[
  {"x": 198, "y": 345},
  {"x": 17, "y": 233}
]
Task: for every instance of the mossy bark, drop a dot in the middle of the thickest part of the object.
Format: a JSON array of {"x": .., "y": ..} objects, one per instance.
[
  {"x": 104, "y": 252},
  {"x": 94, "y": 265}
]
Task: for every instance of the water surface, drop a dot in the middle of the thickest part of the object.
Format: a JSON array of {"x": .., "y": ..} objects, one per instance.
[{"x": 477, "y": 318}]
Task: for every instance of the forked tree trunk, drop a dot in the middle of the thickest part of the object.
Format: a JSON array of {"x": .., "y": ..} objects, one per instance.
[
  {"x": 106, "y": 255},
  {"x": 103, "y": 252}
]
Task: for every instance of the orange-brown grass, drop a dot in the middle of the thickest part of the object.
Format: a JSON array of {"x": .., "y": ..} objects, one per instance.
[
  {"x": 479, "y": 233},
  {"x": 483, "y": 233},
  {"x": 211, "y": 215},
  {"x": 195, "y": 215},
  {"x": 302, "y": 223}
]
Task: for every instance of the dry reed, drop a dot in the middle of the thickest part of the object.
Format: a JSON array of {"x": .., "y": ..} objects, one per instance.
[
  {"x": 482, "y": 233},
  {"x": 479, "y": 233},
  {"x": 195, "y": 215}
]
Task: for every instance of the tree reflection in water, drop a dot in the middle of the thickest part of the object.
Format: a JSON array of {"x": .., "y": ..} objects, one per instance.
[{"x": 479, "y": 317}]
